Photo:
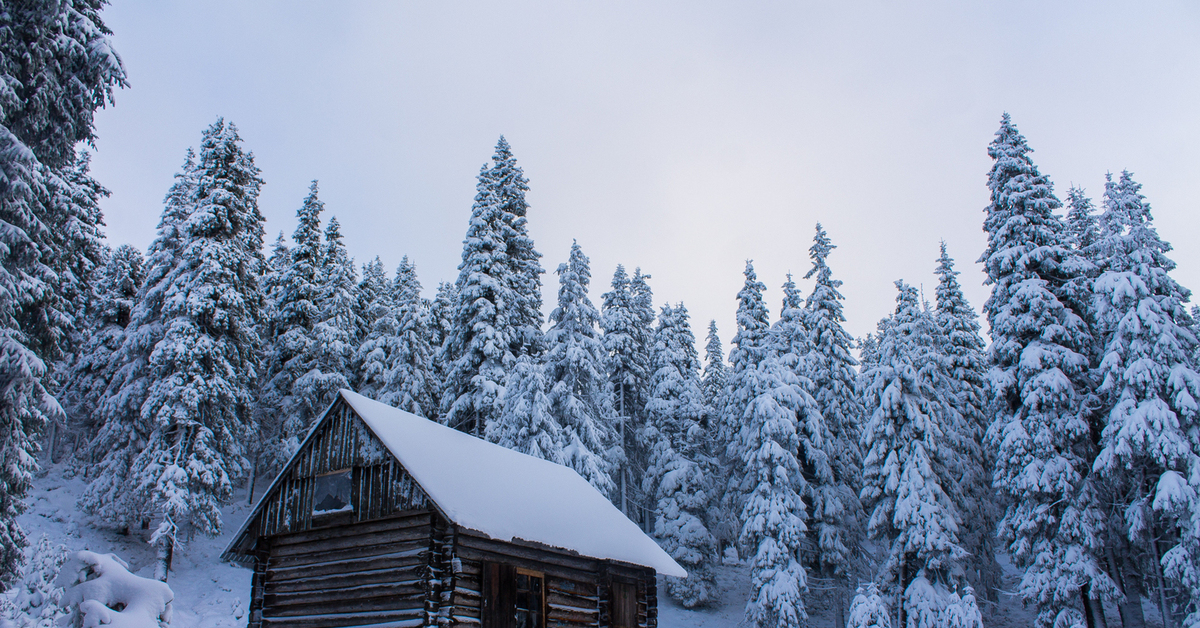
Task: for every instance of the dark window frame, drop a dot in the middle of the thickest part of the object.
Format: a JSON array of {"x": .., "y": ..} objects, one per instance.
[
  {"x": 501, "y": 594},
  {"x": 623, "y": 603}
]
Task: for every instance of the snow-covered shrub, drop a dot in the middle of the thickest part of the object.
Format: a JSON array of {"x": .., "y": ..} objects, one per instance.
[
  {"x": 33, "y": 600},
  {"x": 100, "y": 591},
  {"x": 868, "y": 610}
]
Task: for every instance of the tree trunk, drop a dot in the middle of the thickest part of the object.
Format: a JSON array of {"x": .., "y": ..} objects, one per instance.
[
  {"x": 253, "y": 479},
  {"x": 1093, "y": 609},
  {"x": 839, "y": 620},
  {"x": 1131, "y": 602},
  {"x": 1163, "y": 606},
  {"x": 166, "y": 551}
]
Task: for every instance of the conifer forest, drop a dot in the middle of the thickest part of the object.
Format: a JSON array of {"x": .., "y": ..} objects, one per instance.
[{"x": 1037, "y": 451}]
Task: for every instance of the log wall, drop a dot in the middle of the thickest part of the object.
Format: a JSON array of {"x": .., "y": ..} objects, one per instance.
[{"x": 358, "y": 574}]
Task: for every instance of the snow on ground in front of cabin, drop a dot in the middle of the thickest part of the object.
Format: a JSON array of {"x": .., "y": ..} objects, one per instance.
[{"x": 208, "y": 593}]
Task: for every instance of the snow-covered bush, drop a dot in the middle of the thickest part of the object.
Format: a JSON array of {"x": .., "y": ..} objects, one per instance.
[
  {"x": 100, "y": 591},
  {"x": 33, "y": 600}
]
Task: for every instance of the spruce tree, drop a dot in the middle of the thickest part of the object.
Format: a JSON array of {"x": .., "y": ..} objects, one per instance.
[
  {"x": 497, "y": 309},
  {"x": 1081, "y": 219},
  {"x": 715, "y": 372},
  {"x": 527, "y": 423},
  {"x": 908, "y": 473},
  {"x": 1149, "y": 383},
  {"x": 1044, "y": 446},
  {"x": 202, "y": 373},
  {"x": 114, "y": 290},
  {"x": 294, "y": 289},
  {"x": 771, "y": 411},
  {"x": 58, "y": 67},
  {"x": 830, "y": 367},
  {"x": 680, "y": 472},
  {"x": 373, "y": 358},
  {"x": 441, "y": 319},
  {"x": 123, "y": 431},
  {"x": 327, "y": 364},
  {"x": 628, "y": 348},
  {"x": 965, "y": 364},
  {"x": 580, "y": 399},
  {"x": 410, "y": 381}
]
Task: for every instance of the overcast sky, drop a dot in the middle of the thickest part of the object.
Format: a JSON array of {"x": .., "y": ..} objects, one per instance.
[{"x": 681, "y": 137}]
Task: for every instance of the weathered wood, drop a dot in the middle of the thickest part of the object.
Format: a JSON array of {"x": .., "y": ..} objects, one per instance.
[
  {"x": 364, "y": 558},
  {"x": 375, "y": 619},
  {"x": 391, "y": 591},
  {"x": 396, "y": 521},
  {"x": 470, "y": 541},
  {"x": 403, "y": 536}
]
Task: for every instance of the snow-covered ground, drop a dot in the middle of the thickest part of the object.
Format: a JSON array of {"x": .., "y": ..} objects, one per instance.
[{"x": 213, "y": 594}]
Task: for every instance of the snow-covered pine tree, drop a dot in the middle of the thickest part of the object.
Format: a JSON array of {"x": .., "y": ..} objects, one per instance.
[
  {"x": 772, "y": 412},
  {"x": 1149, "y": 383},
  {"x": 374, "y": 355},
  {"x": 966, "y": 371},
  {"x": 715, "y": 373},
  {"x": 497, "y": 309},
  {"x": 327, "y": 365},
  {"x": 1081, "y": 219},
  {"x": 370, "y": 307},
  {"x": 123, "y": 431},
  {"x": 837, "y": 517},
  {"x": 203, "y": 372},
  {"x": 681, "y": 470},
  {"x": 578, "y": 391},
  {"x": 440, "y": 316},
  {"x": 58, "y": 67},
  {"x": 1039, "y": 356},
  {"x": 869, "y": 610},
  {"x": 410, "y": 383},
  {"x": 908, "y": 473},
  {"x": 527, "y": 423},
  {"x": 628, "y": 351},
  {"x": 115, "y": 287},
  {"x": 294, "y": 289}
]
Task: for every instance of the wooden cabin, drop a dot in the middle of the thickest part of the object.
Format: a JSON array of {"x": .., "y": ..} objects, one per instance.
[{"x": 384, "y": 518}]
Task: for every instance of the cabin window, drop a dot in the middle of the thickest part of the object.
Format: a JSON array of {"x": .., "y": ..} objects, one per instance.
[
  {"x": 331, "y": 493},
  {"x": 624, "y": 604},
  {"x": 513, "y": 598}
]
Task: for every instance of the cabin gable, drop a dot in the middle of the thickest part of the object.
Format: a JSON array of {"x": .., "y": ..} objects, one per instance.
[{"x": 341, "y": 441}]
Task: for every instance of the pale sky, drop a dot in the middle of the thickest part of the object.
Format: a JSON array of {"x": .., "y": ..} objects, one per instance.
[{"x": 681, "y": 137}]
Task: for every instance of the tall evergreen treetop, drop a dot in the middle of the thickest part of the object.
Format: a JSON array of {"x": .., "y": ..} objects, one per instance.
[
  {"x": 1081, "y": 219},
  {"x": 1039, "y": 356},
  {"x": 497, "y": 314},
  {"x": 715, "y": 371},
  {"x": 580, "y": 398}
]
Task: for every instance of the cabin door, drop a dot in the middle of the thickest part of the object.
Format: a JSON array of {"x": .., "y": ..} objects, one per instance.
[{"x": 512, "y": 597}]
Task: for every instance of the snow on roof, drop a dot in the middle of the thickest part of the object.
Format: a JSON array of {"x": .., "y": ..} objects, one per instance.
[{"x": 509, "y": 495}]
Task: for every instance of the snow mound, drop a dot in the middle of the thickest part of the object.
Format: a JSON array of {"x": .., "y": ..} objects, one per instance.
[{"x": 100, "y": 591}]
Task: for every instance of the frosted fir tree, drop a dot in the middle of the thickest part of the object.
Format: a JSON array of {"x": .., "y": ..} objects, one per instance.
[
  {"x": 681, "y": 470},
  {"x": 768, "y": 406},
  {"x": 114, "y": 289},
  {"x": 35, "y": 597},
  {"x": 715, "y": 371},
  {"x": 830, "y": 367},
  {"x": 628, "y": 347},
  {"x": 410, "y": 383},
  {"x": 373, "y": 358},
  {"x": 527, "y": 423},
  {"x": 869, "y": 610},
  {"x": 201, "y": 376},
  {"x": 1081, "y": 219},
  {"x": 58, "y": 67},
  {"x": 440, "y": 320},
  {"x": 965, "y": 364},
  {"x": 123, "y": 431},
  {"x": 497, "y": 309},
  {"x": 294, "y": 291},
  {"x": 580, "y": 399},
  {"x": 1149, "y": 383},
  {"x": 1041, "y": 434},
  {"x": 373, "y": 301},
  {"x": 327, "y": 365},
  {"x": 908, "y": 477}
]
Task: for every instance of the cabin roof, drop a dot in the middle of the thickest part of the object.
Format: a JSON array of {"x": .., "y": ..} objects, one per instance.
[{"x": 504, "y": 494}]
